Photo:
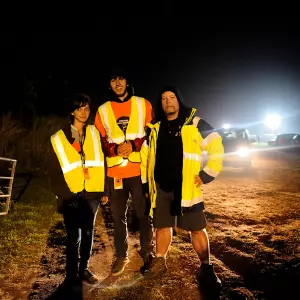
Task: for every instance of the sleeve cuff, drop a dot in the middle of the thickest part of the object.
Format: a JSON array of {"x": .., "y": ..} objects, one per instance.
[
  {"x": 116, "y": 150},
  {"x": 133, "y": 145},
  {"x": 145, "y": 187},
  {"x": 205, "y": 178}
]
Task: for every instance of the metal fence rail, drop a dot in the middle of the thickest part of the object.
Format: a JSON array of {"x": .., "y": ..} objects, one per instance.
[{"x": 6, "y": 183}]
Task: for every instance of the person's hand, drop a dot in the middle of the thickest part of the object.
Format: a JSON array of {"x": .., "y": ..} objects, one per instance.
[
  {"x": 104, "y": 200},
  {"x": 198, "y": 181},
  {"x": 124, "y": 149},
  {"x": 145, "y": 188}
]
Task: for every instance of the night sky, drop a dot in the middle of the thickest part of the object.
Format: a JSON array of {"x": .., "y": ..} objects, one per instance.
[{"x": 233, "y": 71}]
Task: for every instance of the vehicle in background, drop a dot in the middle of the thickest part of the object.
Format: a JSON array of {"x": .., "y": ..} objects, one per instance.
[
  {"x": 266, "y": 138},
  {"x": 271, "y": 143},
  {"x": 287, "y": 142},
  {"x": 237, "y": 147}
]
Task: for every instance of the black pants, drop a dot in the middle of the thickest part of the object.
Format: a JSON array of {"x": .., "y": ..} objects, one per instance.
[
  {"x": 119, "y": 204},
  {"x": 79, "y": 218}
]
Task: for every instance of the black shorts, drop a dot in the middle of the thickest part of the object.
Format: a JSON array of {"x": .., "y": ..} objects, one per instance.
[{"x": 162, "y": 218}]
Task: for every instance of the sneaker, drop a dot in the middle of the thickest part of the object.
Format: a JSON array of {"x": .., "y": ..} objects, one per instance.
[
  {"x": 157, "y": 268},
  {"x": 119, "y": 265},
  {"x": 88, "y": 277},
  {"x": 148, "y": 259},
  {"x": 208, "y": 278}
]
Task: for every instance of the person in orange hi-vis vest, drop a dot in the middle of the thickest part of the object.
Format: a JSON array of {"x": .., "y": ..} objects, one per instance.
[{"x": 122, "y": 124}]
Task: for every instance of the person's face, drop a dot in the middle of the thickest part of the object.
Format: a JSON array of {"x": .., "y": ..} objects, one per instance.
[
  {"x": 82, "y": 113},
  {"x": 170, "y": 104},
  {"x": 118, "y": 85}
]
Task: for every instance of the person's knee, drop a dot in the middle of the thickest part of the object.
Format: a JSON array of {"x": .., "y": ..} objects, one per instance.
[
  {"x": 88, "y": 233},
  {"x": 119, "y": 218},
  {"x": 164, "y": 230},
  {"x": 73, "y": 241},
  {"x": 198, "y": 232}
]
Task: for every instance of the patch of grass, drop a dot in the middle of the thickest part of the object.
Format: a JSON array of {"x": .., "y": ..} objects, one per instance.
[
  {"x": 57, "y": 235},
  {"x": 24, "y": 232}
]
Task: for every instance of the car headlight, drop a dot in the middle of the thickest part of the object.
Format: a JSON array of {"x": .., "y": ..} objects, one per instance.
[{"x": 242, "y": 152}]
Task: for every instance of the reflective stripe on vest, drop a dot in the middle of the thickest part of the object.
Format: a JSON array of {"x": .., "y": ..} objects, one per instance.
[
  {"x": 135, "y": 128},
  {"x": 192, "y": 156},
  {"x": 136, "y": 124},
  {"x": 67, "y": 167},
  {"x": 97, "y": 162},
  {"x": 71, "y": 164}
]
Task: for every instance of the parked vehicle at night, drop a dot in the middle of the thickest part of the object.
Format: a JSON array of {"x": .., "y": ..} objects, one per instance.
[
  {"x": 237, "y": 147},
  {"x": 287, "y": 142}
]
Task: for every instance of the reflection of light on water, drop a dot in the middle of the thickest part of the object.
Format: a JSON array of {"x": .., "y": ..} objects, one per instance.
[{"x": 124, "y": 163}]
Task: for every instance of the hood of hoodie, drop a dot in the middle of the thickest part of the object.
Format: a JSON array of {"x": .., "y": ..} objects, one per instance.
[
  {"x": 114, "y": 98},
  {"x": 184, "y": 111}
]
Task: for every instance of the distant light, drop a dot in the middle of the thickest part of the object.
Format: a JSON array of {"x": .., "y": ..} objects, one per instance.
[
  {"x": 226, "y": 126},
  {"x": 272, "y": 121},
  {"x": 242, "y": 152}
]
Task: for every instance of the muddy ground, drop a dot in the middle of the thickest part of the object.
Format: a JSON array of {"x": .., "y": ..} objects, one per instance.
[{"x": 254, "y": 221}]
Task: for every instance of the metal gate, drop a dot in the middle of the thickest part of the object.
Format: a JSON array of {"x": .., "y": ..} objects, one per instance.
[{"x": 7, "y": 173}]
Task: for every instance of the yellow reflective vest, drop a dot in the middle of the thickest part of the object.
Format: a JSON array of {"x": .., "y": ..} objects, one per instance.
[
  {"x": 72, "y": 165},
  {"x": 135, "y": 129},
  {"x": 193, "y": 145}
]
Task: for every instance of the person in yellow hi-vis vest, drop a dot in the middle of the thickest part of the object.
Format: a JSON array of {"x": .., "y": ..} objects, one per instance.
[
  {"x": 122, "y": 122},
  {"x": 175, "y": 178},
  {"x": 76, "y": 169}
]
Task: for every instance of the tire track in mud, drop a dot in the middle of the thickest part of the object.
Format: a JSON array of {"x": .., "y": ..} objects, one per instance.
[
  {"x": 263, "y": 259},
  {"x": 274, "y": 282}
]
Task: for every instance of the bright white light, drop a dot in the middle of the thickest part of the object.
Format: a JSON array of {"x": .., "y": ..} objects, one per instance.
[
  {"x": 242, "y": 152},
  {"x": 226, "y": 126},
  {"x": 272, "y": 121}
]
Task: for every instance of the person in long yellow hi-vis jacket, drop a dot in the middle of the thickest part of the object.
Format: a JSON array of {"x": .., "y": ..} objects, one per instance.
[
  {"x": 175, "y": 178},
  {"x": 76, "y": 168}
]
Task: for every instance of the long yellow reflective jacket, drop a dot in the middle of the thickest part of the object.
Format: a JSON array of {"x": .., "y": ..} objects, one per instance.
[
  {"x": 72, "y": 165},
  {"x": 193, "y": 145},
  {"x": 135, "y": 129}
]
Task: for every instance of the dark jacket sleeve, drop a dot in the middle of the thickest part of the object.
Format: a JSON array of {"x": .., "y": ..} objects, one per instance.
[
  {"x": 109, "y": 149},
  {"x": 57, "y": 180},
  {"x": 137, "y": 144}
]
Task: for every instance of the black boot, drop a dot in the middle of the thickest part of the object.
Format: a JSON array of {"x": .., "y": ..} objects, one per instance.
[
  {"x": 87, "y": 276},
  {"x": 157, "y": 268},
  {"x": 71, "y": 275},
  {"x": 208, "y": 279},
  {"x": 119, "y": 265},
  {"x": 70, "y": 282},
  {"x": 147, "y": 258}
]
